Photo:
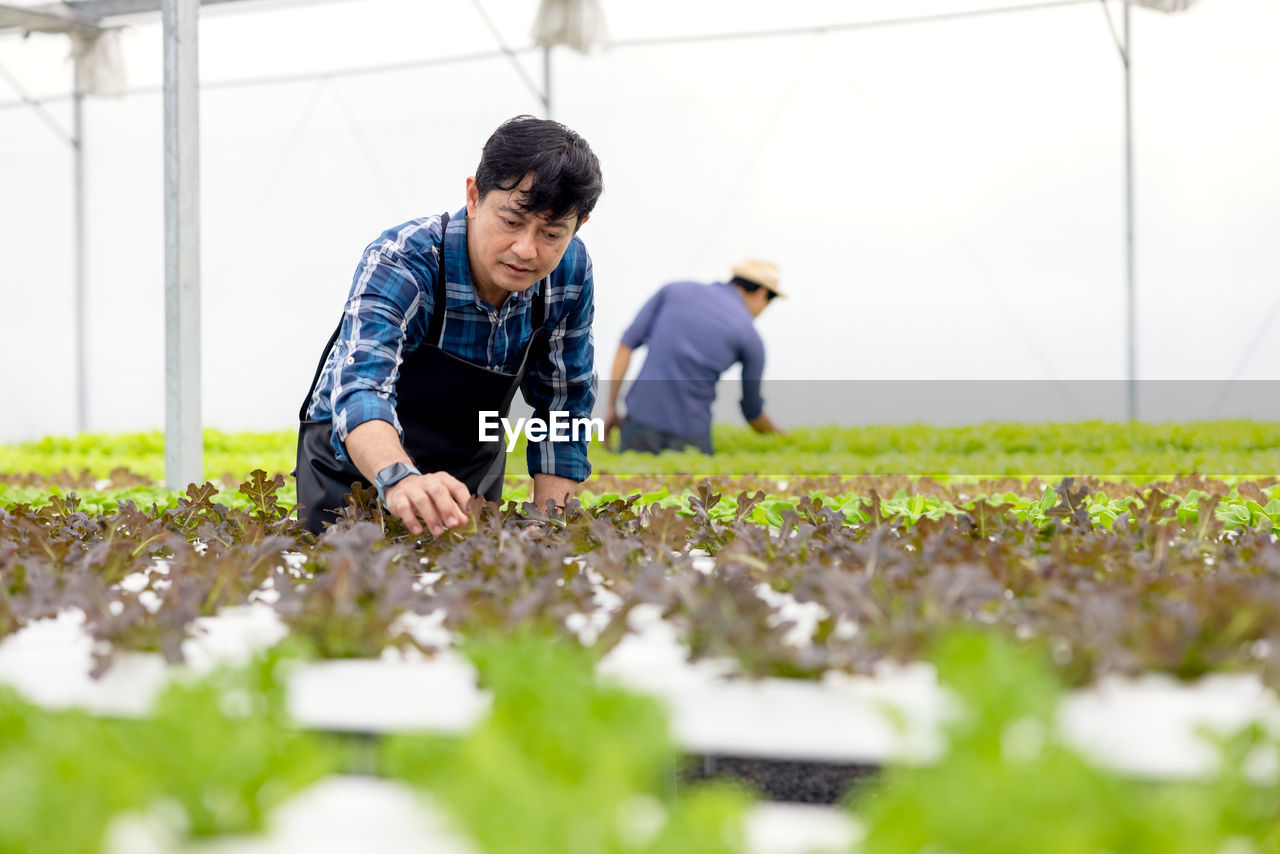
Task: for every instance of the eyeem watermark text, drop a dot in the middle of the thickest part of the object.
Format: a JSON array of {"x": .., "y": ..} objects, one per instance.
[{"x": 560, "y": 428}]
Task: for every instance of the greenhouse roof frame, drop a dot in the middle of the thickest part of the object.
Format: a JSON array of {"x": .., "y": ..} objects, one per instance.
[{"x": 84, "y": 18}]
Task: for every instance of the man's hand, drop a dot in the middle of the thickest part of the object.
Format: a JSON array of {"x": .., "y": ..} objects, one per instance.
[
  {"x": 762, "y": 424},
  {"x": 437, "y": 498},
  {"x": 611, "y": 420},
  {"x": 621, "y": 360}
]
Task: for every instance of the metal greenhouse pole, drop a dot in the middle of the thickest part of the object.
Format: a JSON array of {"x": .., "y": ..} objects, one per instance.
[
  {"x": 1131, "y": 324},
  {"x": 82, "y": 31},
  {"x": 576, "y": 23},
  {"x": 183, "y": 427},
  {"x": 1131, "y": 351},
  {"x": 183, "y": 446},
  {"x": 82, "y": 21},
  {"x": 78, "y": 231},
  {"x": 546, "y": 82}
]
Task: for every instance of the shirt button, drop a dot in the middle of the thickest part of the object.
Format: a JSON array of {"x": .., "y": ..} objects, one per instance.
[{"x": 351, "y": 360}]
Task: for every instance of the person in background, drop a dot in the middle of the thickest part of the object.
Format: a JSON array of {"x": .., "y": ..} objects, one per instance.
[
  {"x": 694, "y": 333},
  {"x": 447, "y": 317}
]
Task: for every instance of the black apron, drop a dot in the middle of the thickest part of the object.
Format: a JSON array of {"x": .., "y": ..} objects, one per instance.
[{"x": 438, "y": 400}]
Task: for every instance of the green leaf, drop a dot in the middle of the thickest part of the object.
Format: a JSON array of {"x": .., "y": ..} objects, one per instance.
[{"x": 1048, "y": 499}]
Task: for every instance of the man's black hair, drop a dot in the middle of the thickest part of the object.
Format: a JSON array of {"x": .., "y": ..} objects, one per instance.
[
  {"x": 751, "y": 287},
  {"x": 566, "y": 173}
]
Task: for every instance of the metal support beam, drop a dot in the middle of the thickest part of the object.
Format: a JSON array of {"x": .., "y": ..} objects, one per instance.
[
  {"x": 80, "y": 16},
  {"x": 108, "y": 8},
  {"x": 50, "y": 18},
  {"x": 183, "y": 446},
  {"x": 78, "y": 239}
]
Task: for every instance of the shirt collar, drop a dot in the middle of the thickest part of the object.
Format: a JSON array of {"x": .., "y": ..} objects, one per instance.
[
  {"x": 737, "y": 297},
  {"x": 459, "y": 290}
]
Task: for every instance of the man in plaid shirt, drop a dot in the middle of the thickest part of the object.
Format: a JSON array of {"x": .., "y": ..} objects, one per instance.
[{"x": 400, "y": 389}]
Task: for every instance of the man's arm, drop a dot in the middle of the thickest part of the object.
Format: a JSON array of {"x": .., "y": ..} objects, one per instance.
[
  {"x": 562, "y": 379},
  {"x": 381, "y": 319},
  {"x": 550, "y": 487},
  {"x": 437, "y": 498},
  {"x": 621, "y": 361},
  {"x": 388, "y": 299},
  {"x": 752, "y": 357}
]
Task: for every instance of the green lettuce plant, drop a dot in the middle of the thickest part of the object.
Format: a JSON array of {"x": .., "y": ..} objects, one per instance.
[
  {"x": 565, "y": 763},
  {"x": 220, "y": 747},
  {"x": 1007, "y": 784}
]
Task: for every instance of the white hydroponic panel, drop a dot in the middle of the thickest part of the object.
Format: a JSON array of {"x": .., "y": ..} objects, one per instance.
[
  {"x": 353, "y": 815},
  {"x": 1148, "y": 726}
]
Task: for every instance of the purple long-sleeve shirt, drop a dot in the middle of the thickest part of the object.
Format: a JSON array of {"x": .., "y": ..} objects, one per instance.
[{"x": 694, "y": 332}]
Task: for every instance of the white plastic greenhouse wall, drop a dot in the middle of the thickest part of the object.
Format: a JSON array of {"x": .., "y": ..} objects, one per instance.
[{"x": 945, "y": 200}]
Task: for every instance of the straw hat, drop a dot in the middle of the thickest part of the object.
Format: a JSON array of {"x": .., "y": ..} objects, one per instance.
[{"x": 763, "y": 273}]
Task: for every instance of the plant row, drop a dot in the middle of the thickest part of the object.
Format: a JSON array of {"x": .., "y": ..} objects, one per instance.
[
  {"x": 1236, "y": 449},
  {"x": 1160, "y": 588},
  {"x": 1237, "y": 505},
  {"x": 578, "y": 765}
]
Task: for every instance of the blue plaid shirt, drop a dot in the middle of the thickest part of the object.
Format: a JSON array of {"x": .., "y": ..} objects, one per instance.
[{"x": 388, "y": 312}]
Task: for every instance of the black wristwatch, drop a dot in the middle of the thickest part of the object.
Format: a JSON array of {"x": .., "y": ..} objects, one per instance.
[{"x": 389, "y": 477}]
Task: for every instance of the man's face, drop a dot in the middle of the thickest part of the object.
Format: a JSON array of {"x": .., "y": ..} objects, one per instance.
[{"x": 511, "y": 249}]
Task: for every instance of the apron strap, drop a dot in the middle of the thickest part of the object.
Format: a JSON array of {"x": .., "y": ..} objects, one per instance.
[
  {"x": 435, "y": 330},
  {"x": 439, "y": 290},
  {"x": 540, "y": 307},
  {"x": 324, "y": 357}
]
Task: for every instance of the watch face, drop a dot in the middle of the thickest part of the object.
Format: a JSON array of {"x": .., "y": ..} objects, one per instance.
[{"x": 392, "y": 473}]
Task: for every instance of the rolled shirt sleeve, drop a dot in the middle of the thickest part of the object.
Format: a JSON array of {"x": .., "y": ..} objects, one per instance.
[
  {"x": 387, "y": 295},
  {"x": 752, "y": 371},
  {"x": 561, "y": 376}
]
